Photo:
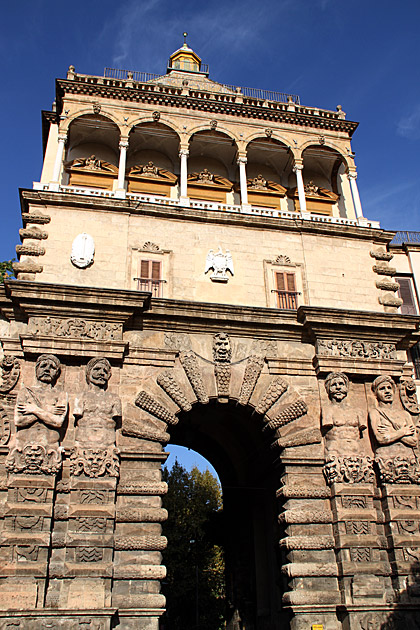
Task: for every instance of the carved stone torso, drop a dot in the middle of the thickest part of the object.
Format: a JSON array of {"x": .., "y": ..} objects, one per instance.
[
  {"x": 97, "y": 412},
  {"x": 344, "y": 424},
  {"x": 385, "y": 422},
  {"x": 48, "y": 399}
]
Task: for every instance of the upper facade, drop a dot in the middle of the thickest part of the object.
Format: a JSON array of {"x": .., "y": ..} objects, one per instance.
[{"x": 200, "y": 191}]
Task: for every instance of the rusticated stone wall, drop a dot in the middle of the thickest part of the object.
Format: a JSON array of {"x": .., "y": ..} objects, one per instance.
[{"x": 319, "y": 407}]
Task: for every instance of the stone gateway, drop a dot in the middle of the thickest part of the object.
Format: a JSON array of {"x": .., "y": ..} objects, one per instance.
[{"x": 289, "y": 373}]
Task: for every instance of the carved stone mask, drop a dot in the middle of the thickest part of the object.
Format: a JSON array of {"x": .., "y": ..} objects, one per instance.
[
  {"x": 353, "y": 467},
  {"x": 33, "y": 455},
  {"x": 402, "y": 469},
  {"x": 95, "y": 459},
  {"x": 222, "y": 351}
]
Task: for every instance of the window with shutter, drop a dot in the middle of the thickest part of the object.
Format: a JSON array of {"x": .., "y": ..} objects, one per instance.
[
  {"x": 406, "y": 293},
  {"x": 286, "y": 290},
  {"x": 150, "y": 277}
]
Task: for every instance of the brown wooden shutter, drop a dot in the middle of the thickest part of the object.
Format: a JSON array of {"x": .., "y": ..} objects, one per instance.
[
  {"x": 144, "y": 269},
  {"x": 281, "y": 286},
  {"x": 291, "y": 284},
  {"x": 155, "y": 270},
  {"x": 406, "y": 294}
]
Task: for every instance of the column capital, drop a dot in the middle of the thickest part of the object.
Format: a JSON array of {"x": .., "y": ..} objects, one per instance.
[
  {"x": 62, "y": 137},
  {"x": 184, "y": 152},
  {"x": 123, "y": 144},
  {"x": 241, "y": 159},
  {"x": 352, "y": 175},
  {"x": 297, "y": 166}
]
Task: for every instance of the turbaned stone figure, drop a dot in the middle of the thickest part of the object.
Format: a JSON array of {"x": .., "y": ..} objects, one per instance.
[
  {"x": 342, "y": 426},
  {"x": 96, "y": 414},
  {"x": 395, "y": 435},
  {"x": 40, "y": 413}
]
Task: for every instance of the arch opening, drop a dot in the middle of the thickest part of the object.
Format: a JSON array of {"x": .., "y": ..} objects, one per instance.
[{"x": 229, "y": 436}]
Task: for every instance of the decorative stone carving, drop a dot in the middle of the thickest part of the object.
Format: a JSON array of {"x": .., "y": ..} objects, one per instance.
[
  {"x": 75, "y": 328},
  {"x": 390, "y": 300},
  {"x": 301, "y": 438},
  {"x": 89, "y": 554},
  {"x": 352, "y": 469},
  {"x": 82, "y": 251},
  {"x": 381, "y": 254},
  {"x": 94, "y": 462},
  {"x": 39, "y": 415},
  {"x": 395, "y": 436},
  {"x": 264, "y": 347},
  {"x": 10, "y": 372},
  {"x": 146, "y": 402},
  {"x": 356, "y": 349},
  {"x": 30, "y": 250},
  {"x": 35, "y": 217},
  {"x": 156, "y": 116},
  {"x": 295, "y": 491},
  {"x": 342, "y": 423},
  {"x": 360, "y": 554},
  {"x": 192, "y": 370},
  {"x": 134, "y": 514},
  {"x": 253, "y": 370},
  {"x": 133, "y": 428},
  {"x": 27, "y": 266},
  {"x": 398, "y": 469},
  {"x": 222, "y": 355},
  {"x": 408, "y": 396},
  {"x": 213, "y": 124},
  {"x": 96, "y": 414},
  {"x": 258, "y": 183},
  {"x": 275, "y": 390},
  {"x": 305, "y": 515},
  {"x": 177, "y": 341},
  {"x": 307, "y": 542},
  {"x": 268, "y": 132},
  {"x": 33, "y": 232},
  {"x": 169, "y": 385},
  {"x": 91, "y": 163},
  {"x": 150, "y": 247},
  {"x": 220, "y": 263},
  {"x": 357, "y": 528},
  {"x": 283, "y": 260},
  {"x": 383, "y": 269},
  {"x": 387, "y": 285},
  {"x": 292, "y": 412},
  {"x": 146, "y": 543},
  {"x": 143, "y": 488}
]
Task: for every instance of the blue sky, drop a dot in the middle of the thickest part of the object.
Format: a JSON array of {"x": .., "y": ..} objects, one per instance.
[{"x": 362, "y": 54}]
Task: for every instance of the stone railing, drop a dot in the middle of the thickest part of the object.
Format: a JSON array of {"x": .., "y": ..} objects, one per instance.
[{"x": 207, "y": 205}]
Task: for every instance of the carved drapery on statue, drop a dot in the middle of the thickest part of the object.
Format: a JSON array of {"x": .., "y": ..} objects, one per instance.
[
  {"x": 96, "y": 412},
  {"x": 39, "y": 416},
  {"x": 395, "y": 435},
  {"x": 343, "y": 425}
]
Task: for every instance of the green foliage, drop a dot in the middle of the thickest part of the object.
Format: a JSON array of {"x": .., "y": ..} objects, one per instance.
[
  {"x": 195, "y": 585},
  {"x": 6, "y": 270}
]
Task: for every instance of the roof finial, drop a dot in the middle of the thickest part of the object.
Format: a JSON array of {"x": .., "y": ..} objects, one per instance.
[{"x": 185, "y": 38}]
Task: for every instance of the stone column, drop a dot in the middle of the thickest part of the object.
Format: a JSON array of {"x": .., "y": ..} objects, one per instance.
[
  {"x": 298, "y": 168},
  {"x": 121, "y": 166},
  {"x": 242, "y": 179},
  {"x": 62, "y": 139},
  {"x": 355, "y": 192},
  {"x": 183, "y": 194}
]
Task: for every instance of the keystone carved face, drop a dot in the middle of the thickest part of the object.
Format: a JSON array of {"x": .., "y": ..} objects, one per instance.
[
  {"x": 33, "y": 456},
  {"x": 222, "y": 351}
]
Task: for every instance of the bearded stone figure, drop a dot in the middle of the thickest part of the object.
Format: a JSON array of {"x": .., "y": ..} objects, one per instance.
[
  {"x": 40, "y": 413},
  {"x": 395, "y": 435},
  {"x": 343, "y": 425},
  {"x": 96, "y": 414}
]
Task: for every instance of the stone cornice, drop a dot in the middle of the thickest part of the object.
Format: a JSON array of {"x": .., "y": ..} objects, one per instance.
[
  {"x": 328, "y": 323},
  {"x": 70, "y": 200},
  {"x": 215, "y": 103}
]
